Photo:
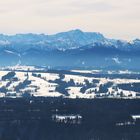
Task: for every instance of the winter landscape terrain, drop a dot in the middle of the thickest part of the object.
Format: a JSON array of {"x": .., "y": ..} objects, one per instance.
[
  {"x": 72, "y": 49},
  {"x": 73, "y": 64},
  {"x": 27, "y": 81},
  {"x": 73, "y": 85},
  {"x": 69, "y": 70}
]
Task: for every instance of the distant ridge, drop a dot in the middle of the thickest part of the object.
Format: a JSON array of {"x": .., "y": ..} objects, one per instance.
[{"x": 74, "y": 48}]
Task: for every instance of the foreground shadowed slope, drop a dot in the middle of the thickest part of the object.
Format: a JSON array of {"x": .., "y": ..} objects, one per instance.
[{"x": 102, "y": 119}]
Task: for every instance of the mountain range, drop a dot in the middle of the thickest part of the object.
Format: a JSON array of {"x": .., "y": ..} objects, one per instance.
[{"x": 72, "y": 49}]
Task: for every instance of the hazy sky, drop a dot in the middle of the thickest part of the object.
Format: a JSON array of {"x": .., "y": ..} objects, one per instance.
[{"x": 113, "y": 18}]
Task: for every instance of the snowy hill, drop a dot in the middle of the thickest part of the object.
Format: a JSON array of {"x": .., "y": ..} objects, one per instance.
[{"x": 68, "y": 84}]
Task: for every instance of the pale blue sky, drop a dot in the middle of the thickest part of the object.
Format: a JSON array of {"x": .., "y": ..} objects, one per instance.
[{"x": 113, "y": 18}]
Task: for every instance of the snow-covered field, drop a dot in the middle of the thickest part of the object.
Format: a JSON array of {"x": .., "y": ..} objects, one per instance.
[{"x": 76, "y": 86}]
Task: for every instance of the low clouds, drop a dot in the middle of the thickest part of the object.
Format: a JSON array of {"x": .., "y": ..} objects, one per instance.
[{"x": 116, "y": 19}]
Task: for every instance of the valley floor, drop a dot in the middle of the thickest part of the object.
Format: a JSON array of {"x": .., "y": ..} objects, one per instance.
[{"x": 69, "y": 84}]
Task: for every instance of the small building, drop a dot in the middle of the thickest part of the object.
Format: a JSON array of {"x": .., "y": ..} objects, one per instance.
[
  {"x": 135, "y": 117},
  {"x": 71, "y": 119}
]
